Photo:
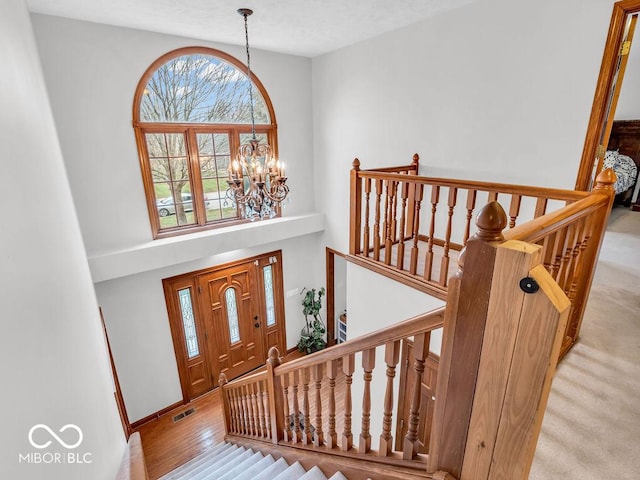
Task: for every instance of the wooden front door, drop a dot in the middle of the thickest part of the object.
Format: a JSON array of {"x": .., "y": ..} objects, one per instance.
[
  {"x": 225, "y": 319},
  {"x": 230, "y": 308}
]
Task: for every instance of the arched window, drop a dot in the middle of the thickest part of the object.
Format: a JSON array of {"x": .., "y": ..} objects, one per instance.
[{"x": 191, "y": 112}]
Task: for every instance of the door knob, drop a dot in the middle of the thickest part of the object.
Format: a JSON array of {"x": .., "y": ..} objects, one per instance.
[{"x": 257, "y": 325}]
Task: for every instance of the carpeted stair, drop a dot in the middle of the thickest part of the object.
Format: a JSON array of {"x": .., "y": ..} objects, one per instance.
[{"x": 230, "y": 462}]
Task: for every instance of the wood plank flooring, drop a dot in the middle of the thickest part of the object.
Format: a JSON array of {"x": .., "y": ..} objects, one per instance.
[{"x": 167, "y": 444}]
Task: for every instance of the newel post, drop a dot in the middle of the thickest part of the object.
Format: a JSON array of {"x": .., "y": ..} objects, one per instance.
[
  {"x": 226, "y": 409},
  {"x": 276, "y": 399},
  {"x": 355, "y": 215},
  {"x": 465, "y": 318}
]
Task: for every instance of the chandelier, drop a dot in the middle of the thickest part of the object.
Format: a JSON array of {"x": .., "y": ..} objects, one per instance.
[{"x": 257, "y": 181}]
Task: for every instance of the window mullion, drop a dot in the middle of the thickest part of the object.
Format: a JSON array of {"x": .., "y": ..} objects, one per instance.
[{"x": 196, "y": 179}]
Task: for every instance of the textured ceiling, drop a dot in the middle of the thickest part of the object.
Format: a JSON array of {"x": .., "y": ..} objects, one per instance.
[{"x": 299, "y": 27}]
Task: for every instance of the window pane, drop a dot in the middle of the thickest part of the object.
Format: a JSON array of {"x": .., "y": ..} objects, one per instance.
[
  {"x": 188, "y": 322},
  {"x": 200, "y": 88},
  {"x": 214, "y": 170},
  {"x": 232, "y": 315},
  {"x": 268, "y": 295}
]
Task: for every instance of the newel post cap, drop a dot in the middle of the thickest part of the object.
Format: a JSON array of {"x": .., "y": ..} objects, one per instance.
[
  {"x": 605, "y": 179},
  {"x": 356, "y": 164},
  {"x": 491, "y": 221}
]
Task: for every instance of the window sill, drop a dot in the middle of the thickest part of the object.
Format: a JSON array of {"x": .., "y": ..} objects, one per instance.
[{"x": 185, "y": 248}]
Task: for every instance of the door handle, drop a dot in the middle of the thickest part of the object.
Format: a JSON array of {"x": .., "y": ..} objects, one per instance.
[{"x": 257, "y": 325}]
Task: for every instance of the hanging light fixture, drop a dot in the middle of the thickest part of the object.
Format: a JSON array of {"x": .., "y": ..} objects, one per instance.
[{"x": 257, "y": 181}]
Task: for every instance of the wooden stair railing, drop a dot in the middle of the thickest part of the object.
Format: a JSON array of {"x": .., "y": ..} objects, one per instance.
[
  {"x": 504, "y": 325},
  {"x": 133, "y": 465},
  {"x": 390, "y": 207},
  {"x": 310, "y": 400}
]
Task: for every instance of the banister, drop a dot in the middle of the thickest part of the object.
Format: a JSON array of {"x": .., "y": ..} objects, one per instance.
[
  {"x": 526, "y": 190},
  {"x": 536, "y": 229},
  {"x": 249, "y": 379},
  {"x": 421, "y": 323}
]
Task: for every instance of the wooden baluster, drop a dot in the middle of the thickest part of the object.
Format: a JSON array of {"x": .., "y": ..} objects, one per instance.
[
  {"x": 586, "y": 235},
  {"x": 541, "y": 207},
  {"x": 428, "y": 261},
  {"x": 367, "y": 233},
  {"x": 390, "y": 221},
  {"x": 471, "y": 205},
  {"x": 260, "y": 404},
  {"x": 226, "y": 406},
  {"x": 563, "y": 255},
  {"x": 306, "y": 432},
  {"x": 493, "y": 197},
  {"x": 332, "y": 372},
  {"x": 558, "y": 248},
  {"x": 386, "y": 223},
  {"x": 391, "y": 358},
  {"x": 368, "y": 364},
  {"x": 254, "y": 409},
  {"x": 264, "y": 401},
  {"x": 376, "y": 225},
  {"x": 403, "y": 225},
  {"x": 514, "y": 209},
  {"x": 413, "y": 267},
  {"x": 394, "y": 214},
  {"x": 245, "y": 410},
  {"x": 276, "y": 400},
  {"x": 288, "y": 433},
  {"x": 248, "y": 411},
  {"x": 228, "y": 397},
  {"x": 348, "y": 367},
  {"x": 297, "y": 434},
  {"x": 569, "y": 255},
  {"x": 574, "y": 261},
  {"x": 444, "y": 265},
  {"x": 547, "y": 251},
  {"x": 239, "y": 414},
  {"x": 355, "y": 209},
  {"x": 318, "y": 372},
  {"x": 420, "y": 352}
]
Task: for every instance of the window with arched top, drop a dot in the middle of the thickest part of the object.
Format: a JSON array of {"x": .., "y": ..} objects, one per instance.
[{"x": 191, "y": 113}]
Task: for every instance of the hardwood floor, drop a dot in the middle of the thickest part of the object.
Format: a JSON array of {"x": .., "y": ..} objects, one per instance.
[{"x": 168, "y": 444}]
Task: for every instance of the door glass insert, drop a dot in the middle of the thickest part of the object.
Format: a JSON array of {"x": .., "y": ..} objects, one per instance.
[
  {"x": 267, "y": 273},
  {"x": 232, "y": 315},
  {"x": 188, "y": 322}
]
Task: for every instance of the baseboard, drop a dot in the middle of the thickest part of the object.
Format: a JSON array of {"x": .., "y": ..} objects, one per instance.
[{"x": 138, "y": 423}]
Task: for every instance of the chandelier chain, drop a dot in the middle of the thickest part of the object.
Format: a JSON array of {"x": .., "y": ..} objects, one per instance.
[{"x": 246, "y": 38}]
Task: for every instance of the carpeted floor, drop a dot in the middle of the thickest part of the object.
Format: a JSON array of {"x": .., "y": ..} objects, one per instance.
[{"x": 591, "y": 428}]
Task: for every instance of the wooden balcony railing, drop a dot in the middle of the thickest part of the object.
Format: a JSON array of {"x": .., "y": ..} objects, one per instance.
[{"x": 413, "y": 228}]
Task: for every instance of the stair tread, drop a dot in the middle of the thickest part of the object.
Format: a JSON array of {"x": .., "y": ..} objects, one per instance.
[
  {"x": 294, "y": 472},
  {"x": 217, "y": 469},
  {"x": 313, "y": 474},
  {"x": 219, "y": 449},
  {"x": 248, "y": 473},
  {"x": 272, "y": 471},
  {"x": 338, "y": 476},
  {"x": 202, "y": 471}
]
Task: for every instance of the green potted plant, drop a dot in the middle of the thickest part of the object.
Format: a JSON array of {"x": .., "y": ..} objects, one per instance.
[{"x": 312, "y": 334}]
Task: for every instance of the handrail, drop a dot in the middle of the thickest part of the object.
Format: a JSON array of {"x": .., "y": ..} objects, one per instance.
[
  {"x": 133, "y": 466},
  {"x": 421, "y": 323},
  {"x": 525, "y": 190},
  {"x": 537, "y": 228}
]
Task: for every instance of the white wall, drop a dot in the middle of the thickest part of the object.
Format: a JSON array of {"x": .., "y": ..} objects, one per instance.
[
  {"x": 91, "y": 72},
  {"x": 497, "y": 90},
  {"x": 138, "y": 325},
  {"x": 54, "y": 366}
]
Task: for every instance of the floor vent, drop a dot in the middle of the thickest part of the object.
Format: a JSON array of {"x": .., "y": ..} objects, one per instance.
[{"x": 186, "y": 413}]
